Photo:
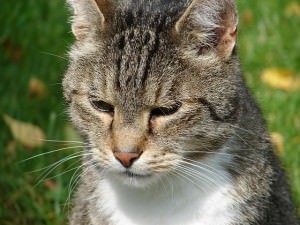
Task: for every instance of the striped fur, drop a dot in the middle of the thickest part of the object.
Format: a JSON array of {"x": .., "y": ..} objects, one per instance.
[{"x": 171, "y": 74}]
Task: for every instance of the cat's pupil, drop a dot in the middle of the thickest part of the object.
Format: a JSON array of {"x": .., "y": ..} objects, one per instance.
[
  {"x": 102, "y": 106},
  {"x": 164, "y": 111}
]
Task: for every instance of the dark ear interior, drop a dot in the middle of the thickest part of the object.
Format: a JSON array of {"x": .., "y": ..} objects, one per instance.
[{"x": 210, "y": 24}]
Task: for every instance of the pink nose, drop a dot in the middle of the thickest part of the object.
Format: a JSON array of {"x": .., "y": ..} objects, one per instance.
[{"x": 127, "y": 158}]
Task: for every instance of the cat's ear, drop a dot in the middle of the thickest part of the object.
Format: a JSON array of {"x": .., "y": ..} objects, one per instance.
[
  {"x": 210, "y": 24},
  {"x": 88, "y": 16}
]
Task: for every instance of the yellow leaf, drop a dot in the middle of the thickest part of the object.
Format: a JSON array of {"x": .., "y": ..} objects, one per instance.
[
  {"x": 281, "y": 78},
  {"x": 277, "y": 141},
  {"x": 27, "y": 134},
  {"x": 293, "y": 9},
  {"x": 37, "y": 88}
]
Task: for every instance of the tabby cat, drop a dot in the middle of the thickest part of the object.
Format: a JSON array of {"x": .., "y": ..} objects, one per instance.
[{"x": 173, "y": 136}]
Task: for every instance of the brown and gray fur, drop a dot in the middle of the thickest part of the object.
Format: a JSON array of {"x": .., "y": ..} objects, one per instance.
[{"x": 144, "y": 54}]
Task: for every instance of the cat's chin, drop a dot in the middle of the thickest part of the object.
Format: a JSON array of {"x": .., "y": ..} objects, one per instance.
[{"x": 137, "y": 180}]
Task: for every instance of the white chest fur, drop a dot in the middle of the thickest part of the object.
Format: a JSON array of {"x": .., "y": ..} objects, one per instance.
[
  {"x": 172, "y": 201},
  {"x": 185, "y": 208}
]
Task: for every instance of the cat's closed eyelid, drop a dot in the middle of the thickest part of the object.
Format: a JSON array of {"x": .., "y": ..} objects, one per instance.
[
  {"x": 101, "y": 105},
  {"x": 165, "y": 110}
]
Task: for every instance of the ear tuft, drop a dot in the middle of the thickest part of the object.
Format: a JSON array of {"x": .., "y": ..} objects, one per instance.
[
  {"x": 87, "y": 18},
  {"x": 210, "y": 24}
]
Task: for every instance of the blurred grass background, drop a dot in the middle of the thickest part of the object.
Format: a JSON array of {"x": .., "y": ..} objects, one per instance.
[{"x": 34, "y": 39}]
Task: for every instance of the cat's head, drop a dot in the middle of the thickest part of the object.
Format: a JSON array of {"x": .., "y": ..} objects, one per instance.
[{"x": 152, "y": 83}]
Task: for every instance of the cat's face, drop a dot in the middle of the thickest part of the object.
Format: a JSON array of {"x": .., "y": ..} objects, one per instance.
[{"x": 147, "y": 101}]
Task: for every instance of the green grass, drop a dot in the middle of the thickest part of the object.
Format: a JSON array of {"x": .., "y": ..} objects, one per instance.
[
  {"x": 32, "y": 31},
  {"x": 271, "y": 41}
]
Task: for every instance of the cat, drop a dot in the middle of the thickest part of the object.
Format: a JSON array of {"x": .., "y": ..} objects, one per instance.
[{"x": 173, "y": 135}]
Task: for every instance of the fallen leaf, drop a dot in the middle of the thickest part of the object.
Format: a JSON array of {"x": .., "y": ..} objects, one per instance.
[
  {"x": 37, "y": 88},
  {"x": 277, "y": 141},
  {"x": 247, "y": 17},
  {"x": 293, "y": 9},
  {"x": 50, "y": 184},
  {"x": 27, "y": 134},
  {"x": 283, "y": 79},
  {"x": 13, "y": 51}
]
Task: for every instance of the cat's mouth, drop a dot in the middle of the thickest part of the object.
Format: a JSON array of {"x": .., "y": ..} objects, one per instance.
[
  {"x": 136, "y": 179},
  {"x": 130, "y": 174}
]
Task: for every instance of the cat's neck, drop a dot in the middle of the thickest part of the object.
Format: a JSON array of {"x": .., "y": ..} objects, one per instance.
[{"x": 176, "y": 199}]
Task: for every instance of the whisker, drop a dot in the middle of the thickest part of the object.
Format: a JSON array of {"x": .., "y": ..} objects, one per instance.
[
  {"x": 51, "y": 54},
  {"x": 47, "y": 153},
  {"x": 76, "y": 178},
  {"x": 206, "y": 180},
  {"x": 53, "y": 164},
  {"x": 245, "y": 142},
  {"x": 164, "y": 188},
  {"x": 171, "y": 187},
  {"x": 226, "y": 154},
  {"x": 67, "y": 171},
  {"x": 245, "y": 130},
  {"x": 75, "y": 175},
  {"x": 206, "y": 168},
  {"x": 179, "y": 173},
  {"x": 69, "y": 192},
  {"x": 195, "y": 174},
  {"x": 57, "y": 164},
  {"x": 62, "y": 141},
  {"x": 201, "y": 166}
]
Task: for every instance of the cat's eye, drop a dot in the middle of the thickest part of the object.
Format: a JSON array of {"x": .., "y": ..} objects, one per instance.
[
  {"x": 102, "y": 106},
  {"x": 165, "y": 111}
]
